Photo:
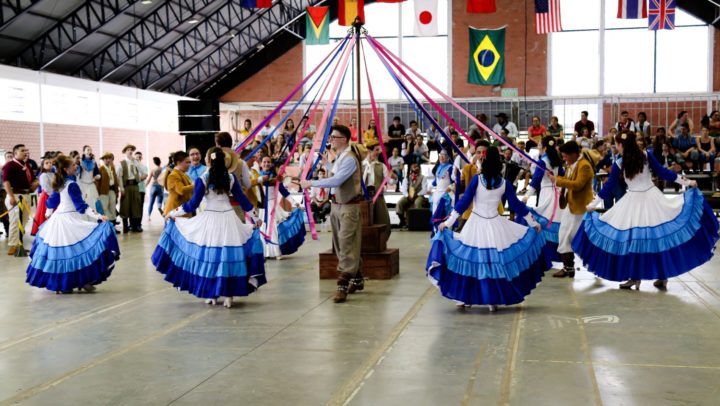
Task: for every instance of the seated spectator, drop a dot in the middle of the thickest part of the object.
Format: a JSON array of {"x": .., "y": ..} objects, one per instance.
[
  {"x": 642, "y": 125},
  {"x": 536, "y": 131},
  {"x": 394, "y": 136},
  {"x": 625, "y": 123},
  {"x": 682, "y": 120},
  {"x": 706, "y": 150},
  {"x": 584, "y": 123},
  {"x": 413, "y": 130},
  {"x": 585, "y": 139},
  {"x": 421, "y": 154},
  {"x": 555, "y": 128},
  {"x": 414, "y": 190},
  {"x": 353, "y": 130},
  {"x": 370, "y": 137},
  {"x": 455, "y": 137},
  {"x": 476, "y": 132},
  {"x": 433, "y": 135},
  {"x": 503, "y": 122},
  {"x": 685, "y": 147},
  {"x": 397, "y": 164},
  {"x": 407, "y": 149},
  {"x": 320, "y": 204}
]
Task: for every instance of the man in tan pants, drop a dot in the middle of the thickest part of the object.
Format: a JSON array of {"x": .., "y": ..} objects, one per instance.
[
  {"x": 19, "y": 181},
  {"x": 345, "y": 212}
]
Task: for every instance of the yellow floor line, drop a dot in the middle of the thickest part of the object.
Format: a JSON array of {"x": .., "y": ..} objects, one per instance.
[
  {"x": 622, "y": 364},
  {"x": 470, "y": 387},
  {"x": 586, "y": 349},
  {"x": 346, "y": 392}
]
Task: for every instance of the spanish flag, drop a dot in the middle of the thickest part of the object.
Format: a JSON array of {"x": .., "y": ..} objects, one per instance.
[
  {"x": 487, "y": 57},
  {"x": 317, "y": 21},
  {"x": 349, "y": 9}
]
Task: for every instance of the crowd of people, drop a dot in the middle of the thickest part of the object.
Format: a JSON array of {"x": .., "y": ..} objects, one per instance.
[{"x": 224, "y": 208}]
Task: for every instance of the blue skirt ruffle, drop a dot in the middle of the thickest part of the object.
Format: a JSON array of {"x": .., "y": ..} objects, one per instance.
[
  {"x": 210, "y": 272},
  {"x": 661, "y": 252},
  {"x": 89, "y": 261},
  {"x": 549, "y": 233},
  {"x": 291, "y": 232},
  {"x": 487, "y": 276}
]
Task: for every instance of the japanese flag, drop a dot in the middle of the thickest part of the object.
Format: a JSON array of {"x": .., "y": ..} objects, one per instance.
[{"x": 426, "y": 17}]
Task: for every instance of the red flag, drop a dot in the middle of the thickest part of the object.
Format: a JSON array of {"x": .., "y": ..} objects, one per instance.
[
  {"x": 389, "y": 1},
  {"x": 481, "y": 6},
  {"x": 349, "y": 9}
]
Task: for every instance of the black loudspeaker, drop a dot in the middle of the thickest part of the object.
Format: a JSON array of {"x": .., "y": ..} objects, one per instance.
[
  {"x": 202, "y": 141},
  {"x": 419, "y": 219},
  {"x": 198, "y": 107},
  {"x": 198, "y": 116},
  {"x": 189, "y": 124}
]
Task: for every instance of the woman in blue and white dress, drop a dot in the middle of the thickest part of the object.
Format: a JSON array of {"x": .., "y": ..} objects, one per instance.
[
  {"x": 645, "y": 235},
  {"x": 213, "y": 254},
  {"x": 547, "y": 201},
  {"x": 88, "y": 174},
  {"x": 71, "y": 249},
  {"x": 492, "y": 261},
  {"x": 442, "y": 197},
  {"x": 287, "y": 233}
]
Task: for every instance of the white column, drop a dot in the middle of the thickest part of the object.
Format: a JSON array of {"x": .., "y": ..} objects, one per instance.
[
  {"x": 601, "y": 51},
  {"x": 40, "y": 118},
  {"x": 100, "y": 123},
  {"x": 400, "y": 47}
]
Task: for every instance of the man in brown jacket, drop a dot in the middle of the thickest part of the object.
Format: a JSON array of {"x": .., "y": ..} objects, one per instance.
[
  {"x": 178, "y": 183},
  {"x": 578, "y": 182},
  {"x": 107, "y": 187}
]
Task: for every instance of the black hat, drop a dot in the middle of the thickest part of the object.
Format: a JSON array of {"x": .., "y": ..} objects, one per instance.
[{"x": 503, "y": 115}]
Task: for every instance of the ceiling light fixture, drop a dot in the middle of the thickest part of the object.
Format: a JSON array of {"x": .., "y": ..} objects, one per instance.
[
  {"x": 146, "y": 2},
  {"x": 193, "y": 21}
]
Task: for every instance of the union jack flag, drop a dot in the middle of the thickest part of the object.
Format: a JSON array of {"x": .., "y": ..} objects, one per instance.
[{"x": 661, "y": 15}]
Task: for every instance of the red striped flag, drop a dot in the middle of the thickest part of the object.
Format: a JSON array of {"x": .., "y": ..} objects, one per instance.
[
  {"x": 481, "y": 6},
  {"x": 547, "y": 16}
]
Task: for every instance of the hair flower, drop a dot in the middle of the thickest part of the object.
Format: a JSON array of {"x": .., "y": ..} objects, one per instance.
[{"x": 213, "y": 156}]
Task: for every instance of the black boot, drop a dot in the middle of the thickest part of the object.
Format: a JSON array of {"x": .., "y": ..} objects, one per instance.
[
  {"x": 357, "y": 283},
  {"x": 125, "y": 222},
  {"x": 568, "y": 270}
]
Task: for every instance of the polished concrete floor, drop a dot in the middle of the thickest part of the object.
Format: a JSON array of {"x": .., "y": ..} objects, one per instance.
[{"x": 137, "y": 341}]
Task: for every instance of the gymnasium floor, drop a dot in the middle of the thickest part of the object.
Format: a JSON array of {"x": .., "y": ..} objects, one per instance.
[{"x": 137, "y": 341}]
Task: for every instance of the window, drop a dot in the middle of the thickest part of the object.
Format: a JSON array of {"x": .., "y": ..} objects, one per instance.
[{"x": 576, "y": 75}]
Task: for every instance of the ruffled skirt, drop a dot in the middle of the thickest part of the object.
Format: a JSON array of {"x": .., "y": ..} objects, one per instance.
[
  {"x": 211, "y": 255},
  {"x": 492, "y": 261},
  {"x": 647, "y": 235},
  {"x": 70, "y": 252}
]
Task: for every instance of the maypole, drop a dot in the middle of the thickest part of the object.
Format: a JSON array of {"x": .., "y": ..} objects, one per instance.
[{"x": 357, "y": 29}]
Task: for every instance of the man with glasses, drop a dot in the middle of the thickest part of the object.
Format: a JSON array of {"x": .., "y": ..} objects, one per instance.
[
  {"x": 345, "y": 212},
  {"x": 196, "y": 166}
]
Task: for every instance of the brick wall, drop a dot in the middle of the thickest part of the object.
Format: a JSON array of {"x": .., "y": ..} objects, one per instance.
[
  {"x": 61, "y": 137},
  {"x": 274, "y": 82},
  {"x": 716, "y": 60}
]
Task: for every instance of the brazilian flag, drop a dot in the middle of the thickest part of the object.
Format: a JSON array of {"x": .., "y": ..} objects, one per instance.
[
  {"x": 487, "y": 57},
  {"x": 317, "y": 22}
]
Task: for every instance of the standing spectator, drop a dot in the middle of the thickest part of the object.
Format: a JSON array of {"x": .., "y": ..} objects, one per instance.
[
  {"x": 396, "y": 164},
  {"x": 3, "y": 195},
  {"x": 130, "y": 203},
  {"x": 87, "y": 175},
  {"x": 45, "y": 188},
  {"x": 196, "y": 165},
  {"x": 555, "y": 128},
  {"x": 536, "y": 132},
  {"x": 247, "y": 129},
  {"x": 682, "y": 120},
  {"x": 395, "y": 134},
  {"x": 642, "y": 124},
  {"x": 144, "y": 177},
  {"x": 288, "y": 130},
  {"x": 503, "y": 122},
  {"x": 706, "y": 150},
  {"x": 19, "y": 181},
  {"x": 156, "y": 188},
  {"x": 625, "y": 123},
  {"x": 685, "y": 147},
  {"x": 584, "y": 122},
  {"x": 32, "y": 164},
  {"x": 107, "y": 186}
]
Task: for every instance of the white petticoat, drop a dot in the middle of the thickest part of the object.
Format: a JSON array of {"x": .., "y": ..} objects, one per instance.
[
  {"x": 643, "y": 209},
  {"x": 215, "y": 229}
]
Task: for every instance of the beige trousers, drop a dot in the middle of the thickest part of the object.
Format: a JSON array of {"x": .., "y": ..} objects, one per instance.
[
  {"x": 347, "y": 237},
  {"x": 14, "y": 216},
  {"x": 109, "y": 205}
]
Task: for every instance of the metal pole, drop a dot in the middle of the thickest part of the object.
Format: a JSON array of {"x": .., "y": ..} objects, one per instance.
[{"x": 357, "y": 24}]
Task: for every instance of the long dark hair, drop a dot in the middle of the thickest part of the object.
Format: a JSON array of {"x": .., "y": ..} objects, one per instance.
[
  {"x": 218, "y": 174},
  {"x": 633, "y": 159},
  {"x": 62, "y": 163},
  {"x": 548, "y": 142},
  {"x": 492, "y": 167}
]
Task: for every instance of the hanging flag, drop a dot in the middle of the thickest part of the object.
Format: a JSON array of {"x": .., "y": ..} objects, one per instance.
[
  {"x": 317, "y": 22},
  {"x": 349, "y": 9},
  {"x": 480, "y": 6},
  {"x": 389, "y": 1},
  {"x": 426, "y": 17},
  {"x": 487, "y": 57},
  {"x": 256, "y": 3},
  {"x": 632, "y": 9},
  {"x": 661, "y": 15},
  {"x": 547, "y": 16}
]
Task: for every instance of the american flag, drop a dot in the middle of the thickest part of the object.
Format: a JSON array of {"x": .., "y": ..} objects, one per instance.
[
  {"x": 547, "y": 16},
  {"x": 661, "y": 15}
]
